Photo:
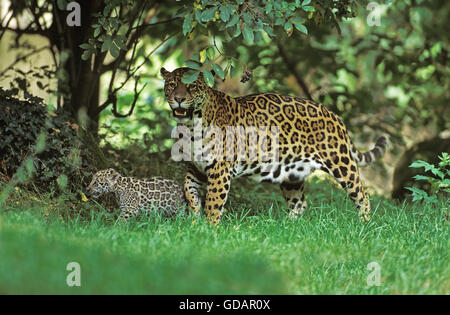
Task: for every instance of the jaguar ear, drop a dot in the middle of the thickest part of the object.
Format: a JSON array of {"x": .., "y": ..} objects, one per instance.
[{"x": 164, "y": 73}]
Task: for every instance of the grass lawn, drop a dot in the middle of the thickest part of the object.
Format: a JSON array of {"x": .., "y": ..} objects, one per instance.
[{"x": 256, "y": 249}]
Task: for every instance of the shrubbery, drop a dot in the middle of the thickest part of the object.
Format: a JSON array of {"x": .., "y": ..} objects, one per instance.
[
  {"x": 439, "y": 182},
  {"x": 41, "y": 145}
]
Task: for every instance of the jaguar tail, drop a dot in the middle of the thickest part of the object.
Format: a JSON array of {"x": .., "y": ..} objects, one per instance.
[{"x": 368, "y": 157}]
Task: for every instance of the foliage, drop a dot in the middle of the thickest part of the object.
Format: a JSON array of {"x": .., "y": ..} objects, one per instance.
[
  {"x": 149, "y": 125},
  {"x": 40, "y": 145},
  {"x": 20, "y": 122},
  {"x": 439, "y": 182},
  {"x": 250, "y": 22}
]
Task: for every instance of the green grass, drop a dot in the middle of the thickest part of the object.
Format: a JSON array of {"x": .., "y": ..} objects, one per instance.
[{"x": 256, "y": 249}]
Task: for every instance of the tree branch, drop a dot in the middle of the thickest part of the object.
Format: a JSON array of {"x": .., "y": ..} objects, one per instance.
[
  {"x": 291, "y": 67},
  {"x": 112, "y": 99},
  {"x": 133, "y": 104},
  {"x": 156, "y": 23}
]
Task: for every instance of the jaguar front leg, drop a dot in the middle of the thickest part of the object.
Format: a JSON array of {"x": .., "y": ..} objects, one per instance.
[
  {"x": 128, "y": 206},
  {"x": 191, "y": 186},
  {"x": 127, "y": 211},
  {"x": 219, "y": 179}
]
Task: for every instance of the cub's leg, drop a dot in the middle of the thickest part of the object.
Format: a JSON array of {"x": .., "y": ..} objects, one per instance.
[
  {"x": 128, "y": 209},
  {"x": 295, "y": 198},
  {"x": 345, "y": 170},
  {"x": 191, "y": 186},
  {"x": 219, "y": 179}
]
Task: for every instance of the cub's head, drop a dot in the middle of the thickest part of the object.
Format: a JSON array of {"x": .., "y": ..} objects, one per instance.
[
  {"x": 102, "y": 182},
  {"x": 183, "y": 98}
]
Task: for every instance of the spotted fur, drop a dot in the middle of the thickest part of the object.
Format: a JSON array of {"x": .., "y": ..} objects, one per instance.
[
  {"x": 137, "y": 195},
  {"x": 311, "y": 137}
]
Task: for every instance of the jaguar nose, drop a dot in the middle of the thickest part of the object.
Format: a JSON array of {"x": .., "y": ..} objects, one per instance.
[{"x": 179, "y": 100}]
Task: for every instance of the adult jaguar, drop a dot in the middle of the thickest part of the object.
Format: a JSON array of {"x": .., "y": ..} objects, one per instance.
[{"x": 310, "y": 137}]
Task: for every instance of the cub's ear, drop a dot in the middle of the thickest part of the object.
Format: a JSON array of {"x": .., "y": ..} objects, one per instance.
[
  {"x": 111, "y": 170},
  {"x": 113, "y": 175},
  {"x": 164, "y": 73},
  {"x": 112, "y": 179}
]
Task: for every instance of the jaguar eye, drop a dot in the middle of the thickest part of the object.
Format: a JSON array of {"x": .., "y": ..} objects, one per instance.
[{"x": 191, "y": 87}]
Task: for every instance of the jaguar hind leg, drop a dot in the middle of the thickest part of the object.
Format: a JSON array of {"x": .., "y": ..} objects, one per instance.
[
  {"x": 295, "y": 198},
  {"x": 347, "y": 175},
  {"x": 356, "y": 193}
]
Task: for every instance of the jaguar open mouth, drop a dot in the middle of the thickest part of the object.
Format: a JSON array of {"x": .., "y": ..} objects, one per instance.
[{"x": 181, "y": 112}]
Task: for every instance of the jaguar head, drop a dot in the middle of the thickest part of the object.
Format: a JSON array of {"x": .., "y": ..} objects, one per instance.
[
  {"x": 184, "y": 98},
  {"x": 102, "y": 182}
]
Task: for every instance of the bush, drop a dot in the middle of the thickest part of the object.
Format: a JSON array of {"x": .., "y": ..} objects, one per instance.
[
  {"x": 46, "y": 144},
  {"x": 439, "y": 182}
]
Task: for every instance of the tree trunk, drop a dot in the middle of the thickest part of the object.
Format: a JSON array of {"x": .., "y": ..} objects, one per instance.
[{"x": 80, "y": 85}]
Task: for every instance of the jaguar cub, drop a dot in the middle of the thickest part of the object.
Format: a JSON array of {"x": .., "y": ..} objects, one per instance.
[
  {"x": 310, "y": 137},
  {"x": 136, "y": 195}
]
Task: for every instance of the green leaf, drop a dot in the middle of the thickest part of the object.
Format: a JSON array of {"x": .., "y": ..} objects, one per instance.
[
  {"x": 219, "y": 71},
  {"x": 269, "y": 30},
  {"x": 420, "y": 163},
  {"x": 114, "y": 51},
  {"x": 287, "y": 26},
  {"x": 418, "y": 194},
  {"x": 209, "y": 78},
  {"x": 86, "y": 54},
  {"x": 187, "y": 24},
  {"x": 208, "y": 14},
  {"x": 265, "y": 52},
  {"x": 247, "y": 32},
  {"x": 196, "y": 57},
  {"x": 298, "y": 20},
  {"x": 238, "y": 31},
  {"x": 106, "y": 44},
  {"x": 119, "y": 40},
  {"x": 202, "y": 55},
  {"x": 308, "y": 9},
  {"x": 224, "y": 13},
  {"x": 302, "y": 28},
  {"x": 279, "y": 21},
  {"x": 190, "y": 76},
  {"x": 210, "y": 52},
  {"x": 85, "y": 46},
  {"x": 266, "y": 61},
  {"x": 306, "y": 2},
  {"x": 193, "y": 64},
  {"x": 421, "y": 177},
  {"x": 233, "y": 21}
]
